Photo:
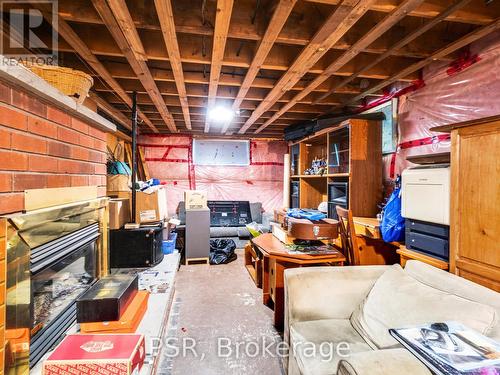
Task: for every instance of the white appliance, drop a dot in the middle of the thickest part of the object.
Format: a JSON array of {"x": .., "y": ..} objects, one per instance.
[{"x": 426, "y": 194}]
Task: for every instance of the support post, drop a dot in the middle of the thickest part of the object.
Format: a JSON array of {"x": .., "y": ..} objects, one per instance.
[{"x": 134, "y": 152}]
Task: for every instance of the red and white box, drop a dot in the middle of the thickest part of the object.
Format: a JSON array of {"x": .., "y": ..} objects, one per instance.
[{"x": 97, "y": 355}]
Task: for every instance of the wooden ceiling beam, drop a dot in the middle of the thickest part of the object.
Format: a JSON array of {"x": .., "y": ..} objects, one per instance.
[
  {"x": 478, "y": 13},
  {"x": 450, "y": 48},
  {"x": 345, "y": 15},
  {"x": 123, "y": 71},
  {"x": 154, "y": 44},
  {"x": 222, "y": 21},
  {"x": 189, "y": 22},
  {"x": 111, "y": 111},
  {"x": 86, "y": 54},
  {"x": 409, "y": 38},
  {"x": 280, "y": 15},
  {"x": 192, "y": 54},
  {"x": 256, "y": 95},
  {"x": 166, "y": 18},
  {"x": 149, "y": 108},
  {"x": 226, "y": 80},
  {"x": 117, "y": 19},
  {"x": 176, "y": 111},
  {"x": 368, "y": 38}
]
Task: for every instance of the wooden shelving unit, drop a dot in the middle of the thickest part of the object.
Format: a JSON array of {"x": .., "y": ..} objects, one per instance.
[{"x": 353, "y": 151}]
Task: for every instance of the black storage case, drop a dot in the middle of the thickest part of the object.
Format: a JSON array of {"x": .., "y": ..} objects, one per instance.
[
  {"x": 130, "y": 248},
  {"x": 429, "y": 238},
  {"x": 107, "y": 299}
]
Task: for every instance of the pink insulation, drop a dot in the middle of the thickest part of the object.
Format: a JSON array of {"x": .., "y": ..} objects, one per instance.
[
  {"x": 464, "y": 90},
  {"x": 169, "y": 159}
]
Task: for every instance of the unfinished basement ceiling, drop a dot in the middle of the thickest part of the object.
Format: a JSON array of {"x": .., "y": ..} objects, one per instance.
[{"x": 279, "y": 62}]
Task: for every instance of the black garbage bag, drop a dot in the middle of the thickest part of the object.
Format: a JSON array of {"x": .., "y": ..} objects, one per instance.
[{"x": 222, "y": 251}]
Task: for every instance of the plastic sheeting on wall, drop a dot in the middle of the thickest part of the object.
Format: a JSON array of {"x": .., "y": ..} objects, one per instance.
[
  {"x": 169, "y": 158},
  {"x": 464, "y": 90}
]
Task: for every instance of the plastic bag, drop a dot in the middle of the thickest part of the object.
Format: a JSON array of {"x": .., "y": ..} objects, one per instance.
[
  {"x": 255, "y": 229},
  {"x": 222, "y": 251},
  {"x": 298, "y": 213},
  {"x": 392, "y": 226}
]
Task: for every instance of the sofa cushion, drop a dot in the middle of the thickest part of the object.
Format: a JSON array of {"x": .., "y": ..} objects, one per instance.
[
  {"x": 397, "y": 300},
  {"x": 314, "y": 344},
  {"x": 382, "y": 362}
]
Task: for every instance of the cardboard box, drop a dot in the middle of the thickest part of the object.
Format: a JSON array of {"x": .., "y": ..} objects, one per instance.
[
  {"x": 195, "y": 199},
  {"x": 281, "y": 234},
  {"x": 128, "y": 322},
  {"x": 118, "y": 182},
  {"x": 151, "y": 207},
  {"x": 97, "y": 354},
  {"x": 119, "y": 194},
  {"x": 119, "y": 212},
  {"x": 107, "y": 299}
]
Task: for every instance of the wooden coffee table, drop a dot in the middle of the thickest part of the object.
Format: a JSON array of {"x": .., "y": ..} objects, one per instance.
[{"x": 276, "y": 260}]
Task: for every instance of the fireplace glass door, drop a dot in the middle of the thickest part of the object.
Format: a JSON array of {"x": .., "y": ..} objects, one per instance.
[{"x": 57, "y": 286}]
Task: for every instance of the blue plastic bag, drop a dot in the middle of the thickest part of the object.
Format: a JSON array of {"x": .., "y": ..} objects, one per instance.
[
  {"x": 305, "y": 214},
  {"x": 392, "y": 226}
]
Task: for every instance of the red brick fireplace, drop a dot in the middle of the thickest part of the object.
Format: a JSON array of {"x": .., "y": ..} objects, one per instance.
[{"x": 43, "y": 147}]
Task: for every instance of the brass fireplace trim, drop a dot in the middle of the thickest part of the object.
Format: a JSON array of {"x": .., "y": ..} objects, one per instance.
[{"x": 15, "y": 288}]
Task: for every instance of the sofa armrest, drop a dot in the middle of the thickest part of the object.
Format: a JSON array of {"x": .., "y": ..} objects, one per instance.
[{"x": 382, "y": 362}]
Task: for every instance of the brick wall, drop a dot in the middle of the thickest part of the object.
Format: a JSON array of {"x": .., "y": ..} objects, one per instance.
[{"x": 42, "y": 147}]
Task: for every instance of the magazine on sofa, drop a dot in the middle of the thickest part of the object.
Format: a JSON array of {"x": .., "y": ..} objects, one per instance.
[{"x": 451, "y": 348}]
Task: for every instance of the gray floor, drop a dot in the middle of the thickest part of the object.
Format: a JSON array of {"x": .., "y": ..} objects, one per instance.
[{"x": 219, "y": 311}]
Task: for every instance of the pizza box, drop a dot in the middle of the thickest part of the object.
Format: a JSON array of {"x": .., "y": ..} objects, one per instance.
[{"x": 80, "y": 354}]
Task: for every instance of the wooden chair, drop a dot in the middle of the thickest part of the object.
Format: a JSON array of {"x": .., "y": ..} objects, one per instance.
[{"x": 348, "y": 238}]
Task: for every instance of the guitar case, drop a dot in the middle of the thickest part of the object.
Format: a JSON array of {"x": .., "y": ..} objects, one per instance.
[{"x": 310, "y": 230}]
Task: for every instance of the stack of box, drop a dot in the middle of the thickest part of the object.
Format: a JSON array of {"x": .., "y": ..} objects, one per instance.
[{"x": 112, "y": 305}]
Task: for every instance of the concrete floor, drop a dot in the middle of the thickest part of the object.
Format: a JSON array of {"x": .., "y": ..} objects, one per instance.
[{"x": 218, "y": 311}]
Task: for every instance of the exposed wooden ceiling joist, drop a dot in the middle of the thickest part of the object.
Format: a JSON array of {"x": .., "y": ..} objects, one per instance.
[
  {"x": 389, "y": 21},
  {"x": 379, "y": 72},
  {"x": 283, "y": 61},
  {"x": 126, "y": 77},
  {"x": 404, "y": 41},
  {"x": 167, "y": 23},
  {"x": 117, "y": 19},
  {"x": 340, "y": 21},
  {"x": 84, "y": 52},
  {"x": 238, "y": 54},
  {"x": 189, "y": 21},
  {"x": 477, "y": 13},
  {"x": 111, "y": 111},
  {"x": 280, "y": 16},
  {"x": 456, "y": 45},
  {"x": 222, "y": 20}
]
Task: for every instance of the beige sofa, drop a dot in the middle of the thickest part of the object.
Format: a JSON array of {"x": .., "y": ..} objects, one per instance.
[{"x": 337, "y": 318}]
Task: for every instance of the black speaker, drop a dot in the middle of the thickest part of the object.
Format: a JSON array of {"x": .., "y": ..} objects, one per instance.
[{"x": 140, "y": 247}]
